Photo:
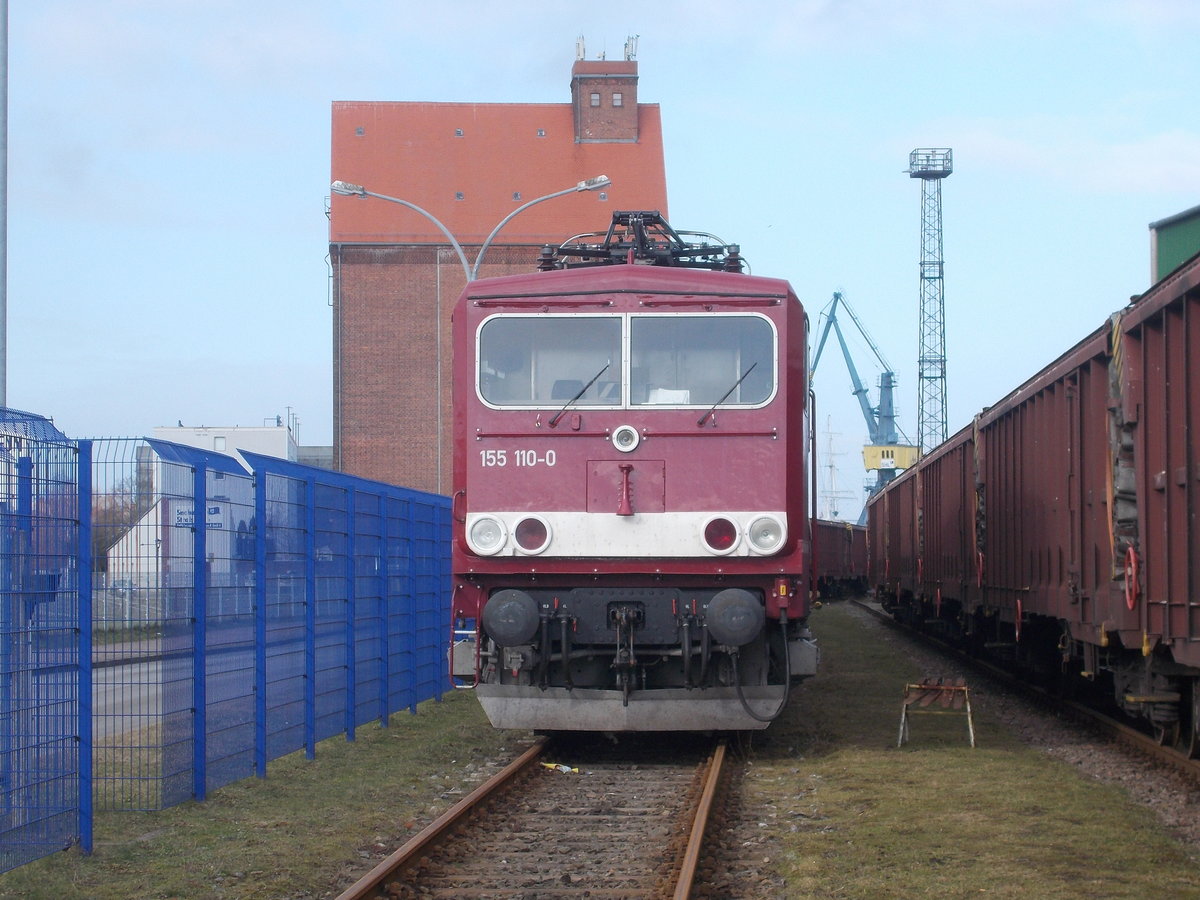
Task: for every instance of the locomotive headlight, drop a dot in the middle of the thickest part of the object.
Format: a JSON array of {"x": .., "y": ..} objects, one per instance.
[
  {"x": 766, "y": 534},
  {"x": 532, "y": 534},
  {"x": 486, "y": 535},
  {"x": 625, "y": 438},
  {"x": 721, "y": 535}
]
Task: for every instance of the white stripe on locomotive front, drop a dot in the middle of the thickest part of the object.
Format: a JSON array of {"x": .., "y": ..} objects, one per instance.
[{"x": 641, "y": 535}]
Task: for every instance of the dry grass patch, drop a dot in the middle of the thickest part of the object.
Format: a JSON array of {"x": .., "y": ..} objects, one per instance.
[{"x": 852, "y": 816}]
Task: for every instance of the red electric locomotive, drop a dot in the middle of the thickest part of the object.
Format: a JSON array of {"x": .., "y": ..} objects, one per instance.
[{"x": 630, "y": 535}]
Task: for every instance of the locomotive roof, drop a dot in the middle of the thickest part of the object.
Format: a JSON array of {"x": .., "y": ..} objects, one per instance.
[
  {"x": 628, "y": 279},
  {"x": 639, "y": 253}
]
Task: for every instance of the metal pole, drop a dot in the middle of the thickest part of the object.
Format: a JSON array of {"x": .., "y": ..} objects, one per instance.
[
  {"x": 260, "y": 621},
  {"x": 351, "y": 617},
  {"x": 199, "y": 632},
  {"x": 83, "y": 575}
]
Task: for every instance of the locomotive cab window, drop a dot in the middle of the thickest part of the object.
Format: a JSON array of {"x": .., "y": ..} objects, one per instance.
[
  {"x": 659, "y": 360},
  {"x": 550, "y": 360},
  {"x": 701, "y": 360}
]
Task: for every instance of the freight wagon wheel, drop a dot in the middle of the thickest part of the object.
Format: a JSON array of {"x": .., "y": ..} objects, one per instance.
[{"x": 1193, "y": 742}]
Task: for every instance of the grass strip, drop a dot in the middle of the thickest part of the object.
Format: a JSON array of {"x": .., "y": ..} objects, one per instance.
[{"x": 849, "y": 815}]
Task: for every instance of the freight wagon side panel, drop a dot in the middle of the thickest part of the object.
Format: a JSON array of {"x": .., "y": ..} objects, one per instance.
[
  {"x": 947, "y": 483},
  {"x": 858, "y": 551},
  {"x": 1094, "y": 597},
  {"x": 900, "y": 552},
  {"x": 876, "y": 548},
  {"x": 1161, "y": 343},
  {"x": 1042, "y": 472}
]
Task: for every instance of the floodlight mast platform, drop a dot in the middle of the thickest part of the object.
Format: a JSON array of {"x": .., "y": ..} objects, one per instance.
[{"x": 931, "y": 165}]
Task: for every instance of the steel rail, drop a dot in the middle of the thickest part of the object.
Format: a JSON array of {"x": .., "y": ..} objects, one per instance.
[
  {"x": 371, "y": 884},
  {"x": 691, "y": 857}
]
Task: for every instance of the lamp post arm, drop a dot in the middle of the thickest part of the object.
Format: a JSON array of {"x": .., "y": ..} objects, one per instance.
[
  {"x": 341, "y": 187},
  {"x": 462, "y": 257},
  {"x": 590, "y": 184},
  {"x": 471, "y": 272},
  {"x": 495, "y": 231}
]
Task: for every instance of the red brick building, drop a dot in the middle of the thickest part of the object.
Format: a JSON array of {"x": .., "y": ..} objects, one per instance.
[{"x": 395, "y": 276}]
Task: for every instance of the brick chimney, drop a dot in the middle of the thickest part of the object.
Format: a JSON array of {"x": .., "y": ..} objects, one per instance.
[{"x": 604, "y": 95}]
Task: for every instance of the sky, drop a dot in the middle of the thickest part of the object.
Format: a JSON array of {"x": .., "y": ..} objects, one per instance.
[{"x": 169, "y": 171}]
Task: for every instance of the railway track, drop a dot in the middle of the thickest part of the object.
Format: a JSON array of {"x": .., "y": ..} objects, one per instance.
[
  {"x": 566, "y": 819},
  {"x": 1139, "y": 741}
]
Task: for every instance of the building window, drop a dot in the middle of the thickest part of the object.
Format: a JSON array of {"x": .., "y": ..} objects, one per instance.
[
  {"x": 458, "y": 195},
  {"x": 516, "y": 195},
  {"x": 595, "y": 99},
  {"x": 219, "y": 443},
  {"x": 359, "y": 131},
  {"x": 603, "y": 195},
  {"x": 618, "y": 98},
  {"x": 458, "y": 132},
  {"x": 541, "y": 132}
]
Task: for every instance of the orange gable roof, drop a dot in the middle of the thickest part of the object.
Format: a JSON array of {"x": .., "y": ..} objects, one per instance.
[{"x": 496, "y": 156}]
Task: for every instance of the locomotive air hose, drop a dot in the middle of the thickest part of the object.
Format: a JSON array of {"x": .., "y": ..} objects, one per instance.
[{"x": 787, "y": 676}]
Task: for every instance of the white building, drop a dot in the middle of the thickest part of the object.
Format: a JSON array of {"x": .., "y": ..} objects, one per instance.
[{"x": 269, "y": 440}]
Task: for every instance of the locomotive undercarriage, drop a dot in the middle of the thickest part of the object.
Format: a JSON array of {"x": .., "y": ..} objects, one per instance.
[
  {"x": 627, "y": 659},
  {"x": 1145, "y": 684}
]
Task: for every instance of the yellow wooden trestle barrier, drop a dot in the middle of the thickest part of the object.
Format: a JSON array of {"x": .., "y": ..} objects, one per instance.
[{"x": 937, "y": 697}]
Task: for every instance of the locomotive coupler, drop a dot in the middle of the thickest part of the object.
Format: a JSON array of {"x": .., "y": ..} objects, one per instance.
[{"x": 625, "y": 618}]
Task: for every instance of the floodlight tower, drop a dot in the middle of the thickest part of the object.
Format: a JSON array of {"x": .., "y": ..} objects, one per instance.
[{"x": 931, "y": 166}]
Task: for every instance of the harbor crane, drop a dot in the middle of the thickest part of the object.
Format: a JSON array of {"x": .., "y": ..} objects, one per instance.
[{"x": 883, "y": 453}]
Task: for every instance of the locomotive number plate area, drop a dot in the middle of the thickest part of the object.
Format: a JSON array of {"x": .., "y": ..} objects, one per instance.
[
  {"x": 517, "y": 458},
  {"x": 647, "y": 485},
  {"x": 591, "y": 608}
]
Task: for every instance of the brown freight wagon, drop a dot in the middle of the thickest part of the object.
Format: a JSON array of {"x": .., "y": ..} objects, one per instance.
[
  {"x": 840, "y": 558},
  {"x": 1059, "y": 530}
]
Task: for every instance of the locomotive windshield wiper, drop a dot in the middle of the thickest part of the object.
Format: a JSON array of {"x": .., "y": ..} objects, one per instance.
[
  {"x": 704, "y": 418},
  {"x": 583, "y": 390}
]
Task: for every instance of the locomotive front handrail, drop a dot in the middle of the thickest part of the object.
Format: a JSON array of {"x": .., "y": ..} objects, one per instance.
[
  {"x": 739, "y": 302},
  {"x": 490, "y": 302}
]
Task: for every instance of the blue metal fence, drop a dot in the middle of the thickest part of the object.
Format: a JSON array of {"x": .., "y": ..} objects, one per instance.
[
  {"x": 234, "y": 615},
  {"x": 40, "y": 606}
]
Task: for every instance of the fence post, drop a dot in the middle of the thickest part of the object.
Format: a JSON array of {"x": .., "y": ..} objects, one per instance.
[
  {"x": 351, "y": 611},
  {"x": 310, "y": 618},
  {"x": 445, "y": 590},
  {"x": 260, "y": 622},
  {"x": 381, "y": 563},
  {"x": 409, "y": 597},
  {"x": 199, "y": 631},
  {"x": 83, "y": 574}
]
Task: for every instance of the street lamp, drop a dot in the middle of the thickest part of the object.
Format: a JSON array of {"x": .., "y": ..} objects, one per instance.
[
  {"x": 591, "y": 184},
  {"x": 472, "y": 272},
  {"x": 347, "y": 189}
]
